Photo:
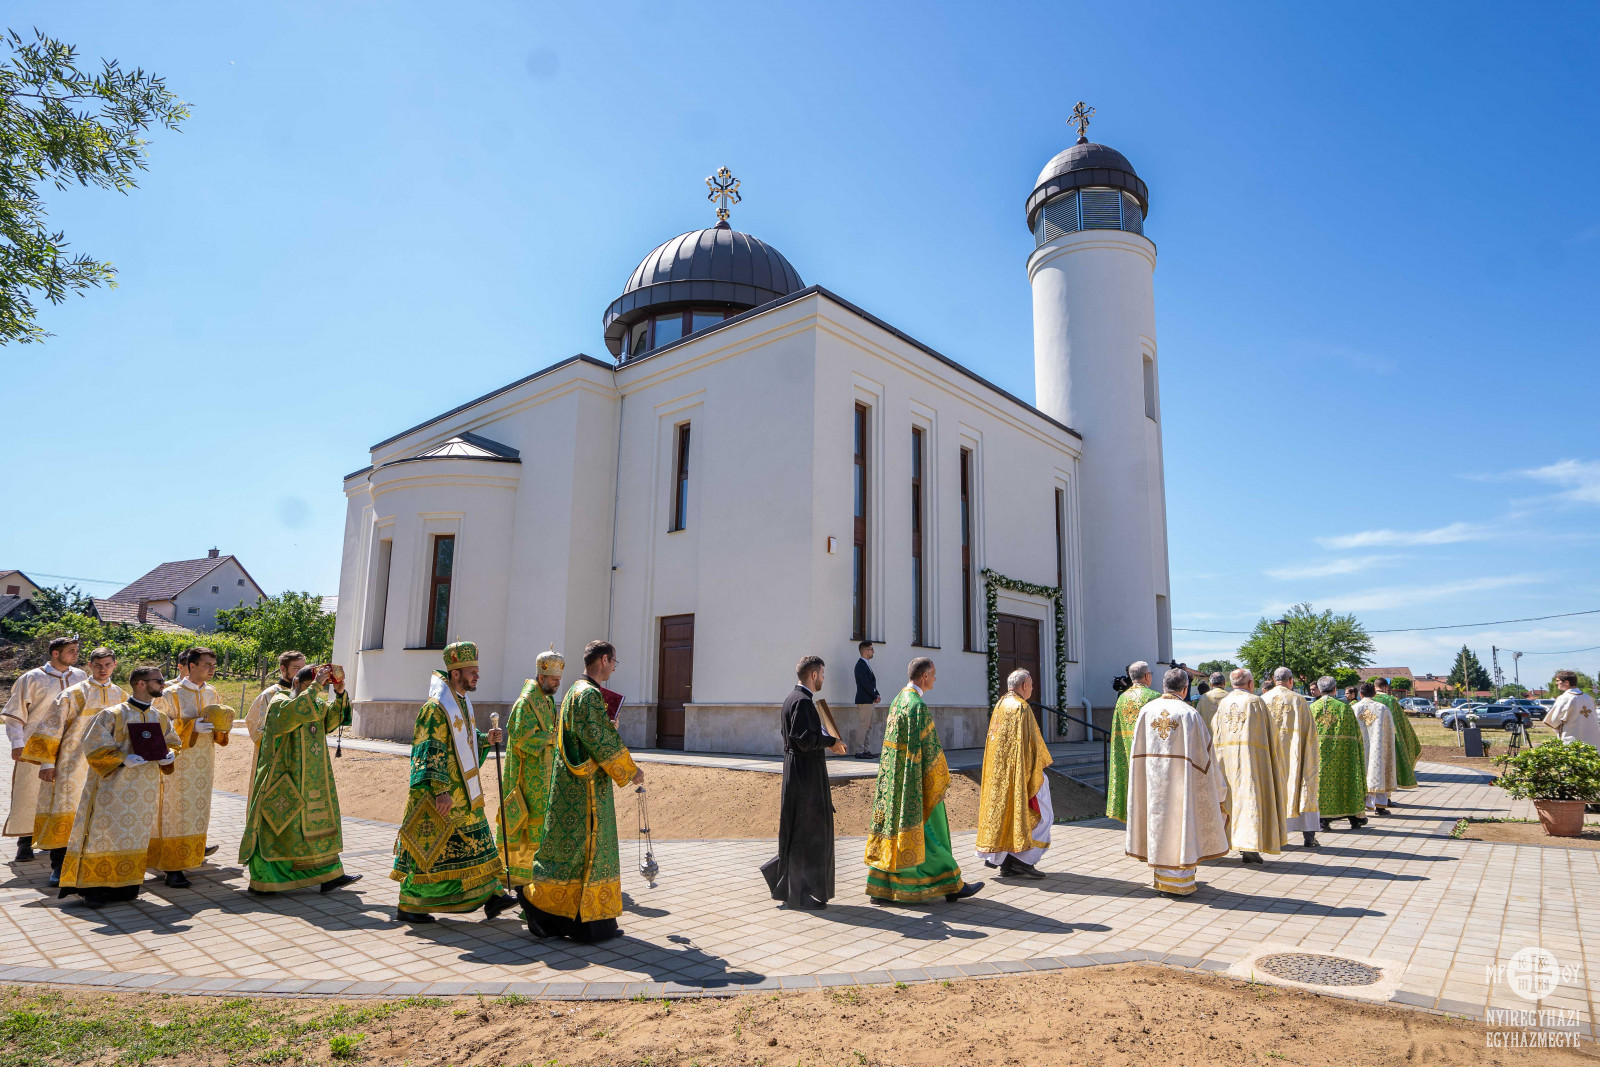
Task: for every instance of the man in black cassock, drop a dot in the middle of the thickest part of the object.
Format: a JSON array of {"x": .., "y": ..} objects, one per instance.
[{"x": 802, "y": 872}]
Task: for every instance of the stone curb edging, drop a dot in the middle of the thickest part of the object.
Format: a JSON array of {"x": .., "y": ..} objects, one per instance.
[{"x": 345, "y": 990}]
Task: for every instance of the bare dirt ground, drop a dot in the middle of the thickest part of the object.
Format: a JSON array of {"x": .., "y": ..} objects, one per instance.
[
  {"x": 686, "y": 803},
  {"x": 1451, "y": 755},
  {"x": 1530, "y": 833},
  {"x": 1114, "y": 1016}
]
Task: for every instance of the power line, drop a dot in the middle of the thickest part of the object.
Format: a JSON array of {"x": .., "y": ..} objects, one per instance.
[
  {"x": 1564, "y": 652},
  {"x": 75, "y": 578},
  {"x": 1451, "y": 626}
]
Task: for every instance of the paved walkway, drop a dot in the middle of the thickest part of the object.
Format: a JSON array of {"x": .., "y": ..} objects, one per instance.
[{"x": 1435, "y": 911}]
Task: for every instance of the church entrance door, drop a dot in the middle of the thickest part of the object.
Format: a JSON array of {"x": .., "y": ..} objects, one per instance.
[
  {"x": 674, "y": 678},
  {"x": 1018, "y": 640}
]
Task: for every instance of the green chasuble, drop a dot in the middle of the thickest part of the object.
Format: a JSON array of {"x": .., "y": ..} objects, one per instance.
[
  {"x": 1406, "y": 745},
  {"x": 1122, "y": 720},
  {"x": 909, "y": 858},
  {"x": 447, "y": 864},
  {"x": 1342, "y": 787},
  {"x": 292, "y": 836},
  {"x": 577, "y": 873},
  {"x": 530, "y": 759}
]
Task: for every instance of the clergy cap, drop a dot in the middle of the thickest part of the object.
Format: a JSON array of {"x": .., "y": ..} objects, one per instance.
[{"x": 460, "y": 654}]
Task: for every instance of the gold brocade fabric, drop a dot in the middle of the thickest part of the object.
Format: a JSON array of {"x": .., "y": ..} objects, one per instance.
[
  {"x": 56, "y": 738},
  {"x": 111, "y": 831},
  {"x": 1247, "y": 750},
  {"x": 1295, "y": 731},
  {"x": 31, "y": 696},
  {"x": 184, "y": 813},
  {"x": 1014, "y": 760}
]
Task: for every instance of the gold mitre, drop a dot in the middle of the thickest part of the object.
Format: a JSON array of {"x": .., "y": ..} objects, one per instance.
[
  {"x": 551, "y": 662},
  {"x": 460, "y": 654}
]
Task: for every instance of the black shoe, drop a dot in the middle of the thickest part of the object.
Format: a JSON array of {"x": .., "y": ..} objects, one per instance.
[
  {"x": 25, "y": 852},
  {"x": 865, "y": 755},
  {"x": 55, "y": 879},
  {"x": 497, "y": 904},
  {"x": 1250, "y": 857},
  {"x": 1015, "y": 868},
  {"x": 534, "y": 929},
  {"x": 1308, "y": 839},
  {"x": 1383, "y": 811},
  {"x": 178, "y": 880},
  {"x": 991, "y": 866},
  {"x": 413, "y": 917},
  {"x": 1327, "y": 824},
  {"x": 339, "y": 882},
  {"x": 1357, "y": 822},
  {"x": 211, "y": 850},
  {"x": 807, "y": 905},
  {"x": 968, "y": 889},
  {"x": 882, "y": 902},
  {"x": 253, "y": 891}
]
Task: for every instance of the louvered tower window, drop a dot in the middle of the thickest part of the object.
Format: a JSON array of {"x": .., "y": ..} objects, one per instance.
[{"x": 1088, "y": 209}]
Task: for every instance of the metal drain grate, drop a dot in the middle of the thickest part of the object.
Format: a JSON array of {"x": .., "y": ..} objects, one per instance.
[{"x": 1313, "y": 969}]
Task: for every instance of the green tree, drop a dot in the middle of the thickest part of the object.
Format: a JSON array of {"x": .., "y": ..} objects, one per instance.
[
  {"x": 1510, "y": 689},
  {"x": 1345, "y": 677},
  {"x": 1400, "y": 686},
  {"x": 1214, "y": 666},
  {"x": 63, "y": 126},
  {"x": 279, "y": 623},
  {"x": 1468, "y": 673},
  {"x": 1315, "y": 644},
  {"x": 1585, "y": 683}
]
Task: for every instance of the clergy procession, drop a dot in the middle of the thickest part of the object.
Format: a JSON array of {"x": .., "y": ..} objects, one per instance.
[{"x": 124, "y": 784}]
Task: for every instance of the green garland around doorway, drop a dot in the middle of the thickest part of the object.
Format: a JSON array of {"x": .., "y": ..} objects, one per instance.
[{"x": 992, "y": 583}]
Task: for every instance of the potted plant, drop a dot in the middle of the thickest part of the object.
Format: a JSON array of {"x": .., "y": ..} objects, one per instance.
[{"x": 1559, "y": 777}]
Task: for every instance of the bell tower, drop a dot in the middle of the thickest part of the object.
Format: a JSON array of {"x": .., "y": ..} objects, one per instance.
[{"x": 1096, "y": 369}]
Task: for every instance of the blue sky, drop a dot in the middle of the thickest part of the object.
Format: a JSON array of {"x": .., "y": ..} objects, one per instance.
[{"x": 1376, "y": 296}]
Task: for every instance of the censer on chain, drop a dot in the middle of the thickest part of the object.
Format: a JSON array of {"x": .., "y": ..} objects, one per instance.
[{"x": 645, "y": 847}]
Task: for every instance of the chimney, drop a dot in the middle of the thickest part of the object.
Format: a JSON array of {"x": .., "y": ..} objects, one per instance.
[
  {"x": 144, "y": 608},
  {"x": 211, "y": 554}
]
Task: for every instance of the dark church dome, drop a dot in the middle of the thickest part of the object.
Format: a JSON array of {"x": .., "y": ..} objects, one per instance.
[
  {"x": 691, "y": 281},
  {"x": 1083, "y": 165}
]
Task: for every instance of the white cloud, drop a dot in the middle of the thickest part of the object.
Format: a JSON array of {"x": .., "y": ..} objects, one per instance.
[
  {"x": 1581, "y": 479},
  {"x": 1405, "y": 596},
  {"x": 1347, "y": 565},
  {"x": 1443, "y": 535}
]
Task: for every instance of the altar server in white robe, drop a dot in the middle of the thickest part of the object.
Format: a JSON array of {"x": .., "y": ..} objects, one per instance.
[
  {"x": 1212, "y": 697},
  {"x": 1295, "y": 729},
  {"x": 202, "y": 723},
  {"x": 31, "y": 696},
  {"x": 1377, "y": 742},
  {"x": 1242, "y": 735},
  {"x": 55, "y": 742},
  {"x": 1573, "y": 715},
  {"x": 1177, "y": 794}
]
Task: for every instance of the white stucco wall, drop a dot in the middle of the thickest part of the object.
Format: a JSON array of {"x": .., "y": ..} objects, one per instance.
[{"x": 226, "y": 580}]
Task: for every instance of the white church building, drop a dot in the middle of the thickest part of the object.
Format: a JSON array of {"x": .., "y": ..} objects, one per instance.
[{"x": 766, "y": 470}]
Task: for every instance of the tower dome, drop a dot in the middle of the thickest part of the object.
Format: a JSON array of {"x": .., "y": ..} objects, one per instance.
[
  {"x": 1087, "y": 187},
  {"x": 696, "y": 279}
]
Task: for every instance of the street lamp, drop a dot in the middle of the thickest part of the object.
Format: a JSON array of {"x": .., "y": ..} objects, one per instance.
[{"x": 1283, "y": 641}]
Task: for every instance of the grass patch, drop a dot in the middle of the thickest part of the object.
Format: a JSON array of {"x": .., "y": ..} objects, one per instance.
[{"x": 47, "y": 1027}]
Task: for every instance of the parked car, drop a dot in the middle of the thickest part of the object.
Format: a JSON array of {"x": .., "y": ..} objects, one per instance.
[
  {"x": 1535, "y": 708},
  {"x": 1417, "y": 705},
  {"x": 1460, "y": 706},
  {"x": 1490, "y": 715}
]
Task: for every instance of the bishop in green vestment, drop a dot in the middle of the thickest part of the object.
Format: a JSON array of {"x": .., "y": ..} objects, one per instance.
[
  {"x": 1126, "y": 713},
  {"x": 292, "y": 836},
  {"x": 909, "y": 858},
  {"x": 1342, "y": 787},
  {"x": 530, "y": 762},
  {"x": 1407, "y": 746},
  {"x": 444, "y": 856},
  {"x": 577, "y": 873}
]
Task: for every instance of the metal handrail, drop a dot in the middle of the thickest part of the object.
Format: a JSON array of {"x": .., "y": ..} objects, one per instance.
[{"x": 1063, "y": 717}]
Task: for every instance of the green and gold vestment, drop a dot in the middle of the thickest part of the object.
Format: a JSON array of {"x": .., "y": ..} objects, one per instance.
[
  {"x": 577, "y": 873},
  {"x": 292, "y": 834},
  {"x": 1342, "y": 789},
  {"x": 909, "y": 858},
  {"x": 447, "y": 864},
  {"x": 1407, "y": 747},
  {"x": 1123, "y": 717},
  {"x": 530, "y": 762}
]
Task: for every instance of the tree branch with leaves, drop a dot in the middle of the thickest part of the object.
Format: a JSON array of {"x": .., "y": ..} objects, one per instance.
[
  {"x": 62, "y": 126},
  {"x": 1315, "y": 644}
]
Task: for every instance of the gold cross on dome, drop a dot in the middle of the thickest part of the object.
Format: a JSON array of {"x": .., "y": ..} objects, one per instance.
[
  {"x": 1081, "y": 114},
  {"x": 724, "y": 187}
]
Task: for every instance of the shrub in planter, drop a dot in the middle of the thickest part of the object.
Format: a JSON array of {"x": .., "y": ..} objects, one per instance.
[{"x": 1559, "y": 777}]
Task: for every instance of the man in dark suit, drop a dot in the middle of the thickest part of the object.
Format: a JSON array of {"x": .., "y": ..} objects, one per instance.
[
  {"x": 866, "y": 702},
  {"x": 801, "y": 874}
]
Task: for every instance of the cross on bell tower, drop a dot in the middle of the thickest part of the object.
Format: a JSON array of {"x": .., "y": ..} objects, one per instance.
[
  {"x": 724, "y": 187},
  {"x": 1081, "y": 114}
]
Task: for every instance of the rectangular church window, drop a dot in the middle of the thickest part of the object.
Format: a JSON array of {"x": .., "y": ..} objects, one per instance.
[
  {"x": 858, "y": 563},
  {"x": 668, "y": 329},
  {"x": 699, "y": 320},
  {"x": 1149, "y": 388},
  {"x": 680, "y": 485},
  {"x": 966, "y": 550},
  {"x": 916, "y": 537},
  {"x": 437, "y": 624}
]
